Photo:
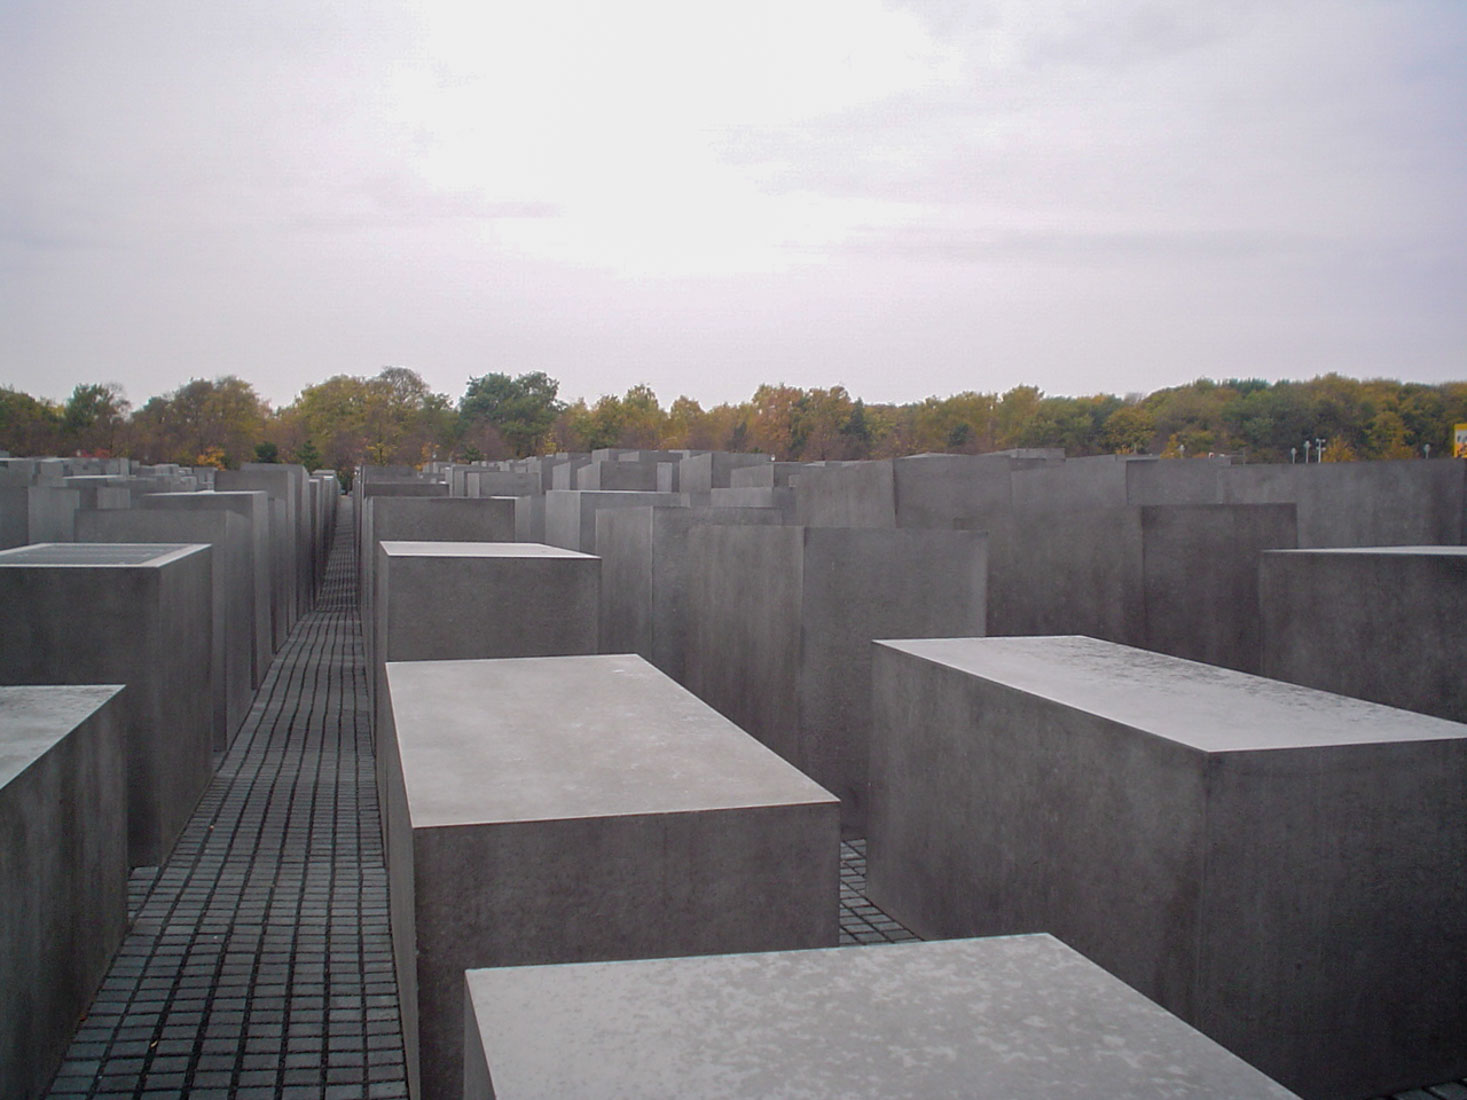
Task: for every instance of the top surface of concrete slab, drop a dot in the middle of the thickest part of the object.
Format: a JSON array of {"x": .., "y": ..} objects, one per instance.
[
  {"x": 32, "y": 719},
  {"x": 1203, "y": 707},
  {"x": 1385, "y": 551},
  {"x": 400, "y": 549},
  {"x": 552, "y": 738},
  {"x": 98, "y": 553},
  {"x": 1003, "y": 1017}
]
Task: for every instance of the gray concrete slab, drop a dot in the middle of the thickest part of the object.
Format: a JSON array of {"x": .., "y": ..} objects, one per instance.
[
  {"x": 570, "y": 514},
  {"x": 233, "y": 592},
  {"x": 63, "y": 868},
  {"x": 644, "y": 577},
  {"x": 635, "y": 477},
  {"x": 1006, "y": 1017},
  {"x": 583, "y": 808},
  {"x": 1388, "y": 624},
  {"x": 253, "y": 507},
  {"x": 278, "y": 484},
  {"x": 138, "y": 615},
  {"x": 780, "y": 625},
  {"x": 705, "y": 472},
  {"x": 1261, "y": 859}
]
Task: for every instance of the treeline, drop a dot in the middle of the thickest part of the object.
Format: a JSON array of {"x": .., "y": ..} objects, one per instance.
[{"x": 395, "y": 418}]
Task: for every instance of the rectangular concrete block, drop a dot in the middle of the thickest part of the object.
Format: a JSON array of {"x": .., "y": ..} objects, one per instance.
[
  {"x": 138, "y": 615},
  {"x": 570, "y": 515},
  {"x": 781, "y": 621},
  {"x": 574, "y": 809},
  {"x": 644, "y": 577},
  {"x": 1267, "y": 861},
  {"x": 63, "y": 869},
  {"x": 426, "y": 519},
  {"x": 636, "y": 477},
  {"x": 1387, "y": 624},
  {"x": 253, "y": 507},
  {"x": 1016, "y": 1016},
  {"x": 278, "y": 484},
  {"x": 233, "y": 593},
  {"x": 714, "y": 470}
]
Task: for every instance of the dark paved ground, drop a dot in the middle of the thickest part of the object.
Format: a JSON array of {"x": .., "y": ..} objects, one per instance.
[{"x": 259, "y": 962}]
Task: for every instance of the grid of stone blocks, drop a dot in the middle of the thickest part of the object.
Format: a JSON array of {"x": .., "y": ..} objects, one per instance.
[{"x": 258, "y": 962}]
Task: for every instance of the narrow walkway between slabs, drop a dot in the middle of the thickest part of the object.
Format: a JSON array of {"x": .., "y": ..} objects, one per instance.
[{"x": 258, "y": 963}]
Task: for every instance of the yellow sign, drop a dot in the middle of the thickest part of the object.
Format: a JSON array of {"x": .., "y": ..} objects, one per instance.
[{"x": 1459, "y": 445}]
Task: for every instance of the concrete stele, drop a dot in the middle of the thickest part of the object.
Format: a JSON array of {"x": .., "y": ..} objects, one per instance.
[
  {"x": 1004, "y": 1017},
  {"x": 582, "y": 808}
]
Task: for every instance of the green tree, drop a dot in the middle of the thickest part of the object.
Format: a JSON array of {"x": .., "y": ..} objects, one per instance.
[
  {"x": 521, "y": 410},
  {"x": 93, "y": 416},
  {"x": 28, "y": 426}
]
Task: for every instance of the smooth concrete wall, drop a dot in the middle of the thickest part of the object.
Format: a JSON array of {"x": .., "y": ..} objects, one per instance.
[
  {"x": 1388, "y": 624},
  {"x": 1014, "y": 1016},
  {"x": 135, "y": 615},
  {"x": 502, "y": 483},
  {"x": 767, "y": 475},
  {"x": 529, "y": 518},
  {"x": 15, "y": 514},
  {"x": 1361, "y": 503},
  {"x": 1261, "y": 859},
  {"x": 705, "y": 472},
  {"x": 635, "y": 477},
  {"x": 553, "y": 810},
  {"x": 276, "y": 483},
  {"x": 51, "y": 513},
  {"x": 233, "y": 592},
  {"x": 858, "y": 494},
  {"x": 781, "y": 621},
  {"x": 63, "y": 869},
  {"x": 425, "y": 519},
  {"x": 254, "y": 509},
  {"x": 570, "y": 515},
  {"x": 1179, "y": 579},
  {"x": 644, "y": 577}
]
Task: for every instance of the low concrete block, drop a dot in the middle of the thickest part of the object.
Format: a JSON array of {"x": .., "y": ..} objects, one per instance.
[
  {"x": 781, "y": 621},
  {"x": 138, "y": 615},
  {"x": 1262, "y": 859},
  {"x": 1007, "y": 1017},
  {"x": 63, "y": 869},
  {"x": 1388, "y": 624},
  {"x": 576, "y": 809},
  {"x": 233, "y": 593},
  {"x": 618, "y": 477}
]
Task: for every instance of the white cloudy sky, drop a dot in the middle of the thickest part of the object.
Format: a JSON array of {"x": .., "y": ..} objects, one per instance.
[{"x": 905, "y": 198}]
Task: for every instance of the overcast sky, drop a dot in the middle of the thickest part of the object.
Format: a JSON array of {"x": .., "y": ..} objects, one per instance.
[{"x": 904, "y": 198}]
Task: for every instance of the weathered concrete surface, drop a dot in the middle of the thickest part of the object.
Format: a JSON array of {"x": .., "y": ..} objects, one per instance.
[
  {"x": 781, "y": 621},
  {"x": 253, "y": 507},
  {"x": 138, "y": 615},
  {"x": 1015, "y": 1016},
  {"x": 425, "y": 519},
  {"x": 1361, "y": 503},
  {"x": 63, "y": 868},
  {"x": 1262, "y": 859},
  {"x": 233, "y": 593},
  {"x": 277, "y": 483},
  {"x": 1388, "y": 624},
  {"x": 644, "y": 577},
  {"x": 705, "y": 472},
  {"x": 573, "y": 809},
  {"x": 570, "y": 515}
]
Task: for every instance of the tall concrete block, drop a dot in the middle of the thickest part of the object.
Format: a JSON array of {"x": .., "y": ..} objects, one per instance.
[
  {"x": 570, "y": 809},
  {"x": 1410, "y": 503},
  {"x": 618, "y": 477},
  {"x": 51, "y": 513},
  {"x": 254, "y": 509},
  {"x": 233, "y": 592},
  {"x": 570, "y": 515},
  {"x": 138, "y": 615},
  {"x": 1013, "y": 1016},
  {"x": 63, "y": 869},
  {"x": 644, "y": 577},
  {"x": 1388, "y": 624},
  {"x": 1254, "y": 856},
  {"x": 781, "y": 624},
  {"x": 714, "y": 470},
  {"x": 278, "y": 484},
  {"x": 767, "y": 475}
]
